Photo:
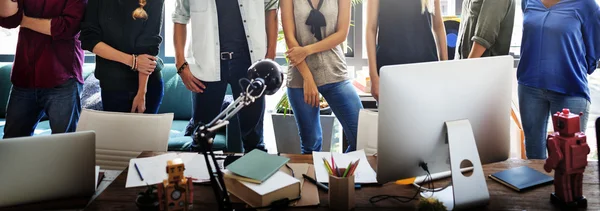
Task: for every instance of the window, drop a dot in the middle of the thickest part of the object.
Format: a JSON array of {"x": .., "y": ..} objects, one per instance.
[
  {"x": 168, "y": 29},
  {"x": 515, "y": 46}
]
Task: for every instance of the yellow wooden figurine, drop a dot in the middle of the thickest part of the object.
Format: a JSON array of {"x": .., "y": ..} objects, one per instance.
[{"x": 176, "y": 192}]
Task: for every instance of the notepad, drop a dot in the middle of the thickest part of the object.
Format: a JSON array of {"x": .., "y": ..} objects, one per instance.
[
  {"x": 521, "y": 178},
  {"x": 256, "y": 166},
  {"x": 153, "y": 169}
]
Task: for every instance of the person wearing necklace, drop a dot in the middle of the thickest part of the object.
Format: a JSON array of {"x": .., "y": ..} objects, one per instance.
[
  {"x": 314, "y": 30},
  {"x": 559, "y": 48},
  {"x": 47, "y": 71},
  {"x": 403, "y": 32},
  {"x": 125, "y": 36}
]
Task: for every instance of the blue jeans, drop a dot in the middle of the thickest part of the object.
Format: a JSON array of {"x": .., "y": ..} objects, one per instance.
[
  {"x": 122, "y": 101},
  {"x": 207, "y": 105},
  {"x": 536, "y": 106},
  {"x": 27, "y": 106},
  {"x": 344, "y": 103}
]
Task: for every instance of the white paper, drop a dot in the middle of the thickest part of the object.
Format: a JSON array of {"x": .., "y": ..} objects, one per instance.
[
  {"x": 2, "y": 123},
  {"x": 364, "y": 173},
  {"x": 153, "y": 169},
  {"x": 367, "y": 131},
  {"x": 97, "y": 175},
  {"x": 277, "y": 181}
]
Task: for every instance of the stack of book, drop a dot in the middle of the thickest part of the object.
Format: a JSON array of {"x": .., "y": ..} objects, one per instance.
[{"x": 255, "y": 179}]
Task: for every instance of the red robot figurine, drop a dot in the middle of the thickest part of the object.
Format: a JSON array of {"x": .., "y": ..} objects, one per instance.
[{"x": 567, "y": 155}]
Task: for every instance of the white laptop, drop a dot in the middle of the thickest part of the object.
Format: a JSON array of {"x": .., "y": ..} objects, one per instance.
[{"x": 41, "y": 168}]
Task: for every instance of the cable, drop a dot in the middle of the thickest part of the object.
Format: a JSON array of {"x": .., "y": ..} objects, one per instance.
[
  {"x": 434, "y": 190},
  {"x": 403, "y": 199},
  {"x": 291, "y": 170},
  {"x": 430, "y": 185}
]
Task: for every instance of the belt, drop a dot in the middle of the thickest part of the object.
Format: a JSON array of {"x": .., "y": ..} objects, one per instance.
[{"x": 226, "y": 56}]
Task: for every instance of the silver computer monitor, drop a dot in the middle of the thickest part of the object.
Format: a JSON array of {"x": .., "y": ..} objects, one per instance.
[
  {"x": 417, "y": 99},
  {"x": 41, "y": 168}
]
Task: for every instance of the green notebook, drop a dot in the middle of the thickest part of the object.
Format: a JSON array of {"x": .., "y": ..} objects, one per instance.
[{"x": 256, "y": 166}]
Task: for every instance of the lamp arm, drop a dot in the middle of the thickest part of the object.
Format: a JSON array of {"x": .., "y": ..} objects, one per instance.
[{"x": 204, "y": 136}]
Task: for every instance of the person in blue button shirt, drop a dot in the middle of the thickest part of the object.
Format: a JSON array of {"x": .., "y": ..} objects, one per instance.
[{"x": 560, "y": 47}]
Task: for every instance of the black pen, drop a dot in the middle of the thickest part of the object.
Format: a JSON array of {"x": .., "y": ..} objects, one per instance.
[{"x": 318, "y": 184}]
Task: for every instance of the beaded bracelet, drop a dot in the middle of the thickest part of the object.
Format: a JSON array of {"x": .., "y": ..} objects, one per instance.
[{"x": 180, "y": 69}]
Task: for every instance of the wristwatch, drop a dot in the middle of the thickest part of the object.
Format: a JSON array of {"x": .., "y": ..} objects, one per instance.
[{"x": 180, "y": 69}]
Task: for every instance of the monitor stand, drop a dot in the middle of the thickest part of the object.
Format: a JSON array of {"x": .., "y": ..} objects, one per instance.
[{"x": 466, "y": 191}]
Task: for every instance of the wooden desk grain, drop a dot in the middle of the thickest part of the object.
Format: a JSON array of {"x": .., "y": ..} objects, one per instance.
[{"x": 117, "y": 197}]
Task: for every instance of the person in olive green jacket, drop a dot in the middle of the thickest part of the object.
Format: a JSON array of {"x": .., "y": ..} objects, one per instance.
[{"x": 486, "y": 28}]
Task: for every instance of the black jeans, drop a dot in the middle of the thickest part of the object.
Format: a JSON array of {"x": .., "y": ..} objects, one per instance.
[
  {"x": 122, "y": 101},
  {"x": 207, "y": 105}
]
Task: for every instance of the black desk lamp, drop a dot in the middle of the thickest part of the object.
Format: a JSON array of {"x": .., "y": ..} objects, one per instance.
[{"x": 264, "y": 78}]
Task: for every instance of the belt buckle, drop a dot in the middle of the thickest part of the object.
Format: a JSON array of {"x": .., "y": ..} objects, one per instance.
[{"x": 226, "y": 55}]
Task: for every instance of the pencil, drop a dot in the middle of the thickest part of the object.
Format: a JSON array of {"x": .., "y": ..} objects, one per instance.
[
  {"x": 347, "y": 169},
  {"x": 326, "y": 166},
  {"x": 329, "y": 170},
  {"x": 333, "y": 166},
  {"x": 354, "y": 168}
]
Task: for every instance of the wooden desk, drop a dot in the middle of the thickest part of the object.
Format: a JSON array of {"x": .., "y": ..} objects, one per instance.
[
  {"x": 116, "y": 197},
  {"x": 69, "y": 204}
]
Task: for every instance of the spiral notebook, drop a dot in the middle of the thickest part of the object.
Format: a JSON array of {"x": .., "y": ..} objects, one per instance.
[{"x": 521, "y": 178}]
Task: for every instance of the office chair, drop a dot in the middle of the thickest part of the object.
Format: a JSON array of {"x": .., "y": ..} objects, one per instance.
[{"x": 122, "y": 136}]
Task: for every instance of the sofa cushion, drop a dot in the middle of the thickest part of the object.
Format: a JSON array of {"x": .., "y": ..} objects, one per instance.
[
  {"x": 177, "y": 98},
  {"x": 88, "y": 69},
  {"x": 5, "y": 86},
  {"x": 90, "y": 95},
  {"x": 2, "y": 122},
  {"x": 42, "y": 128},
  {"x": 184, "y": 143},
  {"x": 178, "y": 128}
]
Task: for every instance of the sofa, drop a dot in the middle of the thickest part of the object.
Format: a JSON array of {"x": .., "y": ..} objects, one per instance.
[{"x": 177, "y": 100}]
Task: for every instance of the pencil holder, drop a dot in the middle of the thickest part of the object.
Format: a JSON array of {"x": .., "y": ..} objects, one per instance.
[{"x": 341, "y": 193}]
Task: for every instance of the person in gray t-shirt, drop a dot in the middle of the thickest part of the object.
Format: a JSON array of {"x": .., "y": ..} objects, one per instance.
[
  {"x": 486, "y": 28},
  {"x": 314, "y": 31}
]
